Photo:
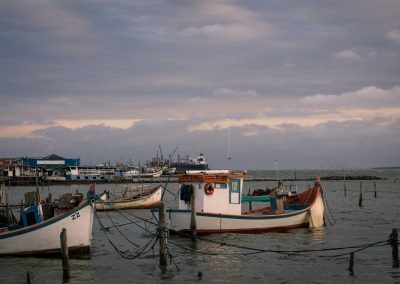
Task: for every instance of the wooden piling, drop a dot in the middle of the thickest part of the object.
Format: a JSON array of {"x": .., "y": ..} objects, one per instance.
[
  {"x": 8, "y": 209},
  {"x": 394, "y": 242},
  {"x": 28, "y": 277},
  {"x": 2, "y": 193},
  {"x": 64, "y": 255},
  {"x": 351, "y": 265},
  {"x": 250, "y": 206},
  {"x": 344, "y": 183},
  {"x": 163, "y": 235},
  {"x": 193, "y": 224},
  {"x": 360, "y": 200},
  {"x": 375, "y": 189}
]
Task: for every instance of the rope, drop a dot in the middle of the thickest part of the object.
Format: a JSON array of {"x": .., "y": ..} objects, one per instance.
[
  {"x": 381, "y": 243},
  {"x": 117, "y": 227},
  {"x": 328, "y": 209},
  {"x": 140, "y": 251},
  {"x": 286, "y": 252},
  {"x": 124, "y": 214},
  {"x": 124, "y": 224},
  {"x": 165, "y": 188}
]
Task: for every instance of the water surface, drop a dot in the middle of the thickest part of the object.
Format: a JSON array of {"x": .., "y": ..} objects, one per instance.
[{"x": 354, "y": 226}]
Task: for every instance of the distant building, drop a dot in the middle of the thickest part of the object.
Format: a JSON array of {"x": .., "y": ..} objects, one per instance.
[
  {"x": 7, "y": 165},
  {"x": 51, "y": 161},
  {"x": 52, "y": 166}
]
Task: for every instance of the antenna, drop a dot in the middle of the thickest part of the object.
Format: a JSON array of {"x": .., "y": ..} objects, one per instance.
[
  {"x": 229, "y": 143},
  {"x": 276, "y": 168}
]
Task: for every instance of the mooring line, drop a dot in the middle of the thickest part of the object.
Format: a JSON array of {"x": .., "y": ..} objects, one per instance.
[
  {"x": 286, "y": 252},
  {"x": 117, "y": 227},
  {"x": 141, "y": 251}
]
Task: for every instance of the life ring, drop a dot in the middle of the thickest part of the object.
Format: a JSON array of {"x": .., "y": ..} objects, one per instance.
[{"x": 209, "y": 188}]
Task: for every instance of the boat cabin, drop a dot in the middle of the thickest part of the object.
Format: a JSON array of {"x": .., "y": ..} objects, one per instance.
[{"x": 215, "y": 191}]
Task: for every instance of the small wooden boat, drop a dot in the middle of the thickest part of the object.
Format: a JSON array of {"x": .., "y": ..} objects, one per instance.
[
  {"x": 218, "y": 205},
  {"x": 148, "y": 199},
  {"x": 34, "y": 235}
]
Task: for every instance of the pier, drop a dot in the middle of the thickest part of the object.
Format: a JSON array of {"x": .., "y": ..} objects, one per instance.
[{"x": 31, "y": 180}]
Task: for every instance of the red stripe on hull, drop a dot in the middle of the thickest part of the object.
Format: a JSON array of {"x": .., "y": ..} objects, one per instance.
[{"x": 248, "y": 231}]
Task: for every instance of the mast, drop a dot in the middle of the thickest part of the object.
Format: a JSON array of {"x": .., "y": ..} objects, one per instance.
[{"x": 229, "y": 143}]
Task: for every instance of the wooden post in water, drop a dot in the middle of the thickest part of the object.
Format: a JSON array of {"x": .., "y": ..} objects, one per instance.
[
  {"x": 193, "y": 224},
  {"x": 64, "y": 255},
  {"x": 375, "y": 189},
  {"x": 351, "y": 265},
  {"x": 344, "y": 183},
  {"x": 28, "y": 277},
  {"x": 2, "y": 193},
  {"x": 8, "y": 208},
  {"x": 394, "y": 242},
  {"x": 163, "y": 235},
  {"x": 250, "y": 205},
  {"x": 360, "y": 200}
]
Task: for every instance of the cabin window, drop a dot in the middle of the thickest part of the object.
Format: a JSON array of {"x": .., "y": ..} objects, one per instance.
[
  {"x": 78, "y": 177},
  {"x": 94, "y": 177},
  {"x": 221, "y": 185},
  {"x": 86, "y": 177},
  {"x": 234, "y": 191}
]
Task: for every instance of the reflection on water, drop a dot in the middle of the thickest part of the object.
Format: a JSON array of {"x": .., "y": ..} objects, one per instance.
[
  {"x": 318, "y": 235},
  {"x": 226, "y": 264}
]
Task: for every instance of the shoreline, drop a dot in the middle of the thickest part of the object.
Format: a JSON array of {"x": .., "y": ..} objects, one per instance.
[{"x": 31, "y": 181}]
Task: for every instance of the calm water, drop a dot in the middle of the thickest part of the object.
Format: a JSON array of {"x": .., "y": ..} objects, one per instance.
[{"x": 354, "y": 226}]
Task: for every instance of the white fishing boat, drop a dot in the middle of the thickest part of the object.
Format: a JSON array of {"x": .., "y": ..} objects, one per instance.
[
  {"x": 34, "y": 235},
  {"x": 218, "y": 208},
  {"x": 91, "y": 173},
  {"x": 168, "y": 170},
  {"x": 148, "y": 173},
  {"x": 128, "y": 174},
  {"x": 141, "y": 199}
]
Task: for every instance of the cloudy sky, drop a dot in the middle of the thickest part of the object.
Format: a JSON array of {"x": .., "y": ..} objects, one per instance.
[{"x": 310, "y": 84}]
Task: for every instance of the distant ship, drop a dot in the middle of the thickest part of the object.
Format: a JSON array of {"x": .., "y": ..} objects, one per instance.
[{"x": 186, "y": 164}]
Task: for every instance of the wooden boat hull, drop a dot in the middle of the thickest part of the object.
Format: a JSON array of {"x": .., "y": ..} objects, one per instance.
[
  {"x": 149, "y": 201},
  {"x": 44, "y": 237},
  {"x": 312, "y": 215}
]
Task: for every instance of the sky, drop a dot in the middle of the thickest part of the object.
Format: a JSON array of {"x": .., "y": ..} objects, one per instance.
[{"x": 298, "y": 84}]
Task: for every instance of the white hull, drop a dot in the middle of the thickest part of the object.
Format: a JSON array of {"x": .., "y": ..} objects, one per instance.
[
  {"x": 44, "y": 237},
  {"x": 312, "y": 216},
  {"x": 149, "y": 201},
  {"x": 147, "y": 175}
]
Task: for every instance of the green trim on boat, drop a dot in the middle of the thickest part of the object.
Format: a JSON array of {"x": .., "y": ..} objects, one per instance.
[{"x": 262, "y": 198}]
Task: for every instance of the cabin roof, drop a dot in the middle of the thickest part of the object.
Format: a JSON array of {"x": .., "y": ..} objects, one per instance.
[{"x": 213, "y": 176}]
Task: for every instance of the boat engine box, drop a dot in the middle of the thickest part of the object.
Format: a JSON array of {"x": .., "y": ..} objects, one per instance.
[{"x": 32, "y": 215}]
